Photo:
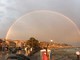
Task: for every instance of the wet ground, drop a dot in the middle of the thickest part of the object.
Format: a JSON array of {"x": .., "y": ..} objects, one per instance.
[{"x": 57, "y": 54}]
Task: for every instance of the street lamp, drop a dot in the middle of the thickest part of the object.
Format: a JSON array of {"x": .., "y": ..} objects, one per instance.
[
  {"x": 51, "y": 40},
  {"x": 78, "y": 54},
  {"x": 51, "y": 43},
  {"x": 47, "y": 54}
]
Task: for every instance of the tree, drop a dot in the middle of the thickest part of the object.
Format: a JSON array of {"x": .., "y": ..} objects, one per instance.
[
  {"x": 34, "y": 44},
  {"x": 1, "y": 44}
]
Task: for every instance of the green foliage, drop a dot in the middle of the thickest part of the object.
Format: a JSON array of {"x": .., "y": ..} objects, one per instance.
[{"x": 32, "y": 42}]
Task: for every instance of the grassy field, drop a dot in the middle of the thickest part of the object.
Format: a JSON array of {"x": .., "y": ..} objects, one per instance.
[{"x": 65, "y": 53}]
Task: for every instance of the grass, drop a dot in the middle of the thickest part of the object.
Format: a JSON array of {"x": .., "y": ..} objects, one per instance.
[{"x": 64, "y": 53}]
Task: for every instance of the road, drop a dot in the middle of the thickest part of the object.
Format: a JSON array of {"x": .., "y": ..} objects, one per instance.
[
  {"x": 59, "y": 54},
  {"x": 2, "y": 56},
  {"x": 36, "y": 56}
]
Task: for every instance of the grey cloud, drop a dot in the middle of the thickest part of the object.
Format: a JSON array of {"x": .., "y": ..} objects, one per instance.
[{"x": 14, "y": 9}]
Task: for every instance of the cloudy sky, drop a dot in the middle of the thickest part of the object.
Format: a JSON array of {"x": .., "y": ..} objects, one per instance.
[{"x": 11, "y": 10}]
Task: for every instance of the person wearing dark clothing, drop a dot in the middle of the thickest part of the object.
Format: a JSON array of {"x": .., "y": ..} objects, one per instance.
[
  {"x": 23, "y": 56},
  {"x": 15, "y": 56}
]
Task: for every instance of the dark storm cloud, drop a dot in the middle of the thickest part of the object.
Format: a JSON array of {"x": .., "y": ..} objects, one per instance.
[{"x": 11, "y": 10}]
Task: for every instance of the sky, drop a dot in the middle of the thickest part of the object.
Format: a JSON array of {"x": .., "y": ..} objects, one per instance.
[
  {"x": 12, "y": 10},
  {"x": 45, "y": 25}
]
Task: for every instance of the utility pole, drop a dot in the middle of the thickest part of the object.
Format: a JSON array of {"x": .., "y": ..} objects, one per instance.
[{"x": 47, "y": 51}]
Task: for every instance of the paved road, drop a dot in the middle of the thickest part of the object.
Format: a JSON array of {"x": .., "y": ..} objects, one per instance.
[
  {"x": 36, "y": 56},
  {"x": 2, "y": 56}
]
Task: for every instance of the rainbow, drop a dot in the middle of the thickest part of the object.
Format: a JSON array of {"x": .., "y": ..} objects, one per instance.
[{"x": 69, "y": 20}]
